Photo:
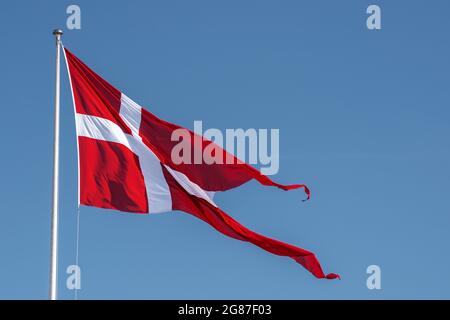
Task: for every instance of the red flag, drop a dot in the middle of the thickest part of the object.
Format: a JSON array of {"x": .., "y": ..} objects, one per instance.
[{"x": 125, "y": 164}]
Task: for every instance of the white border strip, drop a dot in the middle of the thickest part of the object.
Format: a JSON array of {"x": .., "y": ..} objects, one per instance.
[{"x": 76, "y": 135}]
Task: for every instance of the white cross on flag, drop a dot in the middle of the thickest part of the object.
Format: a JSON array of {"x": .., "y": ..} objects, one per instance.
[{"x": 125, "y": 164}]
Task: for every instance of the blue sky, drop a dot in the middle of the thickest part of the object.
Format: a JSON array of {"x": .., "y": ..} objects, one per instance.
[{"x": 363, "y": 118}]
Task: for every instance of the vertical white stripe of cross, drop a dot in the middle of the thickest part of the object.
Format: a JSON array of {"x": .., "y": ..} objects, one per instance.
[{"x": 158, "y": 192}]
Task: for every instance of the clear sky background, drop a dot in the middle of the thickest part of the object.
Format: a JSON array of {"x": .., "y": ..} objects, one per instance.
[{"x": 363, "y": 118}]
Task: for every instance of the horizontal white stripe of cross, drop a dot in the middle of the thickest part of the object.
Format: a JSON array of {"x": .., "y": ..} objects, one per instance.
[{"x": 158, "y": 193}]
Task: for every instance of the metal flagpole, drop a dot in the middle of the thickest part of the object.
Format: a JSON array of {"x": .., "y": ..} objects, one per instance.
[{"x": 54, "y": 232}]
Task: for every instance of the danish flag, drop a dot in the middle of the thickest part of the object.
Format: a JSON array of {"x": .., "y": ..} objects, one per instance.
[{"x": 124, "y": 155}]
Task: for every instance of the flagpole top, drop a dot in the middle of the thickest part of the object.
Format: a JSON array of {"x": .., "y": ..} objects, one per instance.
[{"x": 57, "y": 33}]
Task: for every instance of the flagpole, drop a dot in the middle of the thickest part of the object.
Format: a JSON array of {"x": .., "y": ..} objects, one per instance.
[{"x": 54, "y": 227}]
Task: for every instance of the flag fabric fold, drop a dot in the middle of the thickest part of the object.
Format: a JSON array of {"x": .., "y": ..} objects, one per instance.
[{"x": 125, "y": 163}]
